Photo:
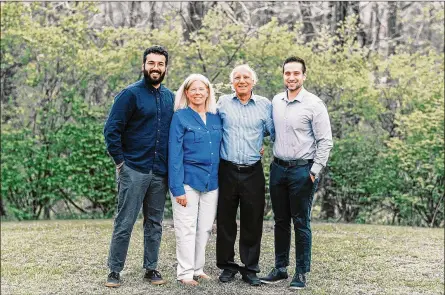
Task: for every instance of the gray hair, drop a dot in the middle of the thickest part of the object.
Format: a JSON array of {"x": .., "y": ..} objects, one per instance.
[{"x": 247, "y": 68}]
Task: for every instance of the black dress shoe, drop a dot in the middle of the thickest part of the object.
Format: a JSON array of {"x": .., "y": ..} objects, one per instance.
[
  {"x": 227, "y": 275},
  {"x": 275, "y": 276},
  {"x": 251, "y": 278}
]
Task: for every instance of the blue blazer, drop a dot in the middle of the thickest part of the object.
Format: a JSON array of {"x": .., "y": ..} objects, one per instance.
[{"x": 193, "y": 151}]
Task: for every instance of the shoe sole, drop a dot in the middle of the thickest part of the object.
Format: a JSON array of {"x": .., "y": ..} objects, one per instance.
[
  {"x": 296, "y": 288},
  {"x": 160, "y": 282},
  {"x": 272, "y": 282},
  {"x": 157, "y": 282},
  {"x": 228, "y": 281},
  {"x": 252, "y": 284},
  {"x": 112, "y": 285}
]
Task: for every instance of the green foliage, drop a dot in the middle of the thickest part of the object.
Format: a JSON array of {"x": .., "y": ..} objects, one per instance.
[
  {"x": 61, "y": 75},
  {"x": 352, "y": 164}
]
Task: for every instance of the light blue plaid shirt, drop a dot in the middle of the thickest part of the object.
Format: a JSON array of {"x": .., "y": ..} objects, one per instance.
[{"x": 244, "y": 127}]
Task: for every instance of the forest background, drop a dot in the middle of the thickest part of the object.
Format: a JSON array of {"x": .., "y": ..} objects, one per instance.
[{"x": 379, "y": 67}]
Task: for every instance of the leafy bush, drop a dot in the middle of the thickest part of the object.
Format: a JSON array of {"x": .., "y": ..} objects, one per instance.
[{"x": 61, "y": 75}]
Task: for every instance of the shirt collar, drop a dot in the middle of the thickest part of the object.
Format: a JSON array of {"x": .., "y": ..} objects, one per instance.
[
  {"x": 299, "y": 96},
  {"x": 253, "y": 97}
]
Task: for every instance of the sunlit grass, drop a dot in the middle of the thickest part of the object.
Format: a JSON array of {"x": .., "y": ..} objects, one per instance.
[{"x": 69, "y": 257}]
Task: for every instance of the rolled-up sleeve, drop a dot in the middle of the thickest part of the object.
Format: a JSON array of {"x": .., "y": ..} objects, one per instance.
[
  {"x": 120, "y": 113},
  {"x": 321, "y": 127},
  {"x": 176, "y": 157}
]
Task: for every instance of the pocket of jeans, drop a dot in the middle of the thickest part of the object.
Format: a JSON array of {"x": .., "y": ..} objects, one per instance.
[
  {"x": 314, "y": 186},
  {"x": 308, "y": 167},
  {"x": 119, "y": 172}
]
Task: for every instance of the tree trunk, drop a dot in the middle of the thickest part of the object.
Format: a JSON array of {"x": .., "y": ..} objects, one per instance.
[
  {"x": 328, "y": 17},
  {"x": 135, "y": 13},
  {"x": 46, "y": 213},
  {"x": 340, "y": 13},
  {"x": 376, "y": 28},
  {"x": 2, "y": 208},
  {"x": 392, "y": 28},
  {"x": 308, "y": 26},
  {"x": 361, "y": 35},
  {"x": 328, "y": 202},
  {"x": 196, "y": 12},
  {"x": 153, "y": 13}
]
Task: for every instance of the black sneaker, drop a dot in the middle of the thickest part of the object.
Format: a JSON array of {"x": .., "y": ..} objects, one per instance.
[
  {"x": 251, "y": 279},
  {"x": 298, "y": 281},
  {"x": 154, "y": 277},
  {"x": 113, "y": 280},
  {"x": 227, "y": 275},
  {"x": 274, "y": 276}
]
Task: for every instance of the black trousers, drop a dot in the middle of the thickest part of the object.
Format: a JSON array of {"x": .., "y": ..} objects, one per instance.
[{"x": 245, "y": 188}]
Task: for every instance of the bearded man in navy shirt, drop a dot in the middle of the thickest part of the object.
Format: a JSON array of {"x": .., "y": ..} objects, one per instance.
[{"x": 136, "y": 135}]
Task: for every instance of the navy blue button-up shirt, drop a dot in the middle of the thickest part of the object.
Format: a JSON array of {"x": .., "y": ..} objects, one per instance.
[
  {"x": 137, "y": 128},
  {"x": 193, "y": 151}
]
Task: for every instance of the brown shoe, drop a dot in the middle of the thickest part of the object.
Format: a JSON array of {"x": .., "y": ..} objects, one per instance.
[
  {"x": 192, "y": 283},
  {"x": 113, "y": 280},
  {"x": 154, "y": 277}
]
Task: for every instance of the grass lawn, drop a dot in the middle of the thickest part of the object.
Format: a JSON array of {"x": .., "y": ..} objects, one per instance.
[{"x": 69, "y": 257}]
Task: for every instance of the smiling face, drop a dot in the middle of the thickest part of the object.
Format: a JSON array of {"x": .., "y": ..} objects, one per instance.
[
  {"x": 197, "y": 94},
  {"x": 242, "y": 82},
  {"x": 293, "y": 76},
  {"x": 154, "y": 68}
]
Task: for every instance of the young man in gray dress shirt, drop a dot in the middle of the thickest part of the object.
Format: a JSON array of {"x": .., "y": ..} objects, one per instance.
[{"x": 303, "y": 140}]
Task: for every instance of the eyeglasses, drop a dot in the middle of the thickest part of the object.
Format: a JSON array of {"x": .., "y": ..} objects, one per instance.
[{"x": 196, "y": 90}]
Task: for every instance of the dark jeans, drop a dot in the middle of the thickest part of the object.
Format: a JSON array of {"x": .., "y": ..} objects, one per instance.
[
  {"x": 138, "y": 190},
  {"x": 245, "y": 189},
  {"x": 291, "y": 193}
]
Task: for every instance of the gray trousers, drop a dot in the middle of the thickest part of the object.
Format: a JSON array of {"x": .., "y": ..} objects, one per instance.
[{"x": 138, "y": 190}]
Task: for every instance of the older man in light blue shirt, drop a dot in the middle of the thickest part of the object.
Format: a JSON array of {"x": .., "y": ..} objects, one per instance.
[{"x": 246, "y": 119}]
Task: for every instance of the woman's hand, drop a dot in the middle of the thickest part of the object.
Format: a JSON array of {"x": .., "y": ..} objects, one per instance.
[{"x": 182, "y": 200}]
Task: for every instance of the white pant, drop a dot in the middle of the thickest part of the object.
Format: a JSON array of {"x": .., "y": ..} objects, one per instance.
[{"x": 193, "y": 226}]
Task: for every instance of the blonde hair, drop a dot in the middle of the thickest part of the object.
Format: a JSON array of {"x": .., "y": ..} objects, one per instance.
[
  {"x": 243, "y": 67},
  {"x": 181, "y": 100}
]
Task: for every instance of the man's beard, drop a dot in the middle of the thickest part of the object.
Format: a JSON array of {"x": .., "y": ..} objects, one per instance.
[
  {"x": 296, "y": 87},
  {"x": 153, "y": 81}
]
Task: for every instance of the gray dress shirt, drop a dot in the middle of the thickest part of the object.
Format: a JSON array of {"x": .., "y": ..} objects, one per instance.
[{"x": 302, "y": 129}]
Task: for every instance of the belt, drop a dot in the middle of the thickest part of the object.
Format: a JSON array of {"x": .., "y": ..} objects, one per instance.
[
  {"x": 240, "y": 167},
  {"x": 292, "y": 163}
]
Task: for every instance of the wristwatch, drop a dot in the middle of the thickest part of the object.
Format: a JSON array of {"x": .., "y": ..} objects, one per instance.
[{"x": 313, "y": 174}]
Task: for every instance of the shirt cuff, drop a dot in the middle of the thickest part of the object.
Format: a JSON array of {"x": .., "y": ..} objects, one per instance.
[
  {"x": 316, "y": 168},
  {"x": 118, "y": 159},
  {"x": 177, "y": 191}
]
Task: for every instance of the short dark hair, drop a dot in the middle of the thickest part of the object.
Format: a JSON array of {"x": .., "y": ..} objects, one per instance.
[
  {"x": 295, "y": 59},
  {"x": 156, "y": 49}
]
